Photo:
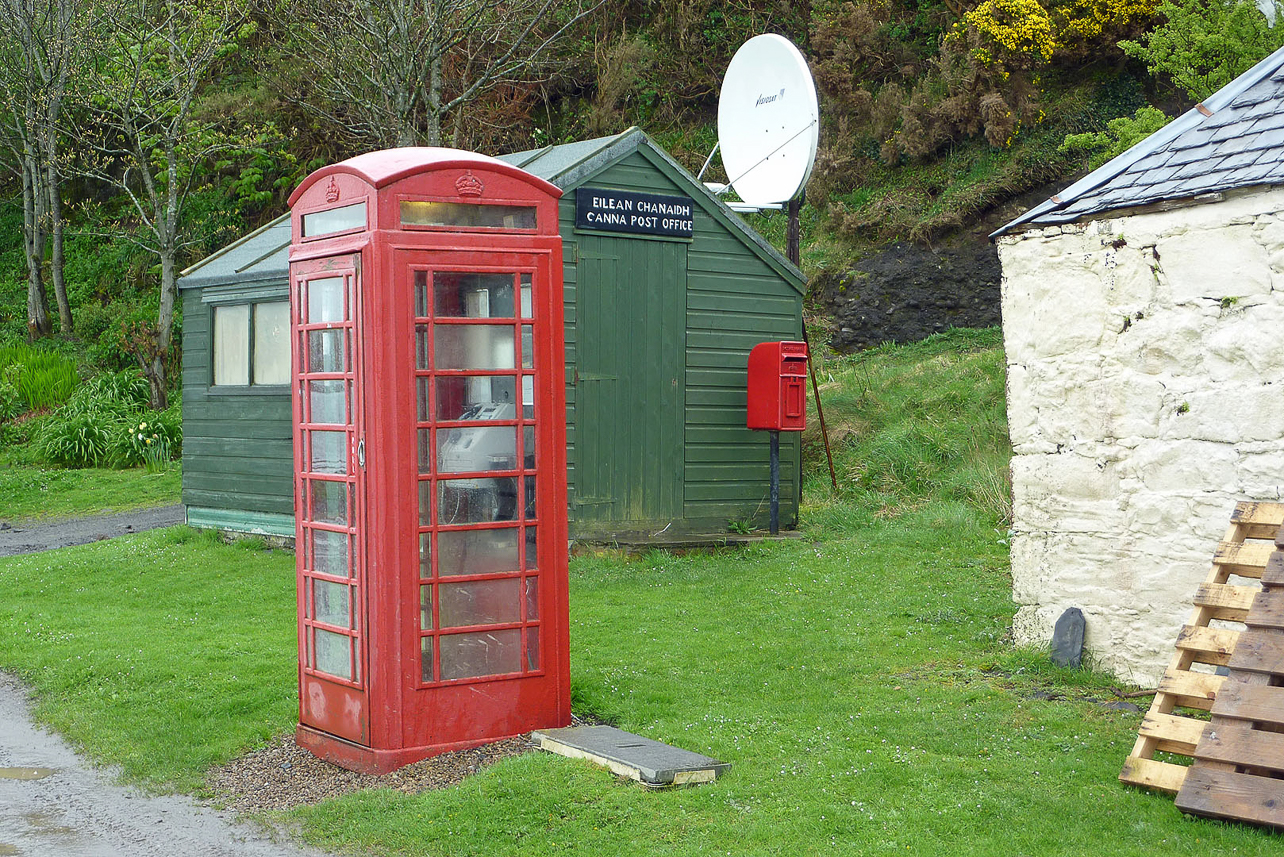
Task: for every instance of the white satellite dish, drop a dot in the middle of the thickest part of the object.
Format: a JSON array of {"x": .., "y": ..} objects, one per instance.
[{"x": 768, "y": 121}]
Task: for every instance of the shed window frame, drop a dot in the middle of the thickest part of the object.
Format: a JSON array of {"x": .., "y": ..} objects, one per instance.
[
  {"x": 250, "y": 387},
  {"x": 455, "y": 200}
]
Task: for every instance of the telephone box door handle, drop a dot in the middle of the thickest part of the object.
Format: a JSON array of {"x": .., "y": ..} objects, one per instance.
[{"x": 361, "y": 453}]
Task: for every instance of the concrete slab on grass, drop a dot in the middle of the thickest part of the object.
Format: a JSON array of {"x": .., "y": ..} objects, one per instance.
[{"x": 650, "y": 762}]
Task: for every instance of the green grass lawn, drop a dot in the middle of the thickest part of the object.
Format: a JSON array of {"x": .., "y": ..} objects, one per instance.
[
  {"x": 859, "y": 680},
  {"x": 28, "y": 491}
]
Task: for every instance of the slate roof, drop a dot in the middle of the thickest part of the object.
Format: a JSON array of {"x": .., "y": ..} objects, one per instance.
[
  {"x": 263, "y": 255},
  {"x": 1234, "y": 139}
]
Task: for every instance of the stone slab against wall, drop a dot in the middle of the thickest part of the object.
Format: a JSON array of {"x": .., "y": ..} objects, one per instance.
[{"x": 1145, "y": 398}]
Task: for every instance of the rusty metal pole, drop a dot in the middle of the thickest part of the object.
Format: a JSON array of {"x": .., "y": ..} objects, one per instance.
[{"x": 794, "y": 252}]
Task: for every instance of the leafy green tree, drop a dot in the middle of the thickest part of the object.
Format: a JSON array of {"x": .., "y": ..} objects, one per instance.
[
  {"x": 40, "y": 47},
  {"x": 143, "y": 136},
  {"x": 1202, "y": 46}
]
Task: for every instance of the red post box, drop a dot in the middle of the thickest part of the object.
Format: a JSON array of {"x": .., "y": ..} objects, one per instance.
[
  {"x": 429, "y": 456},
  {"x": 777, "y": 392}
]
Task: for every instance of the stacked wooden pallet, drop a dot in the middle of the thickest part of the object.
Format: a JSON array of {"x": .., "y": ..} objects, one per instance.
[
  {"x": 1239, "y": 761},
  {"x": 1176, "y": 721}
]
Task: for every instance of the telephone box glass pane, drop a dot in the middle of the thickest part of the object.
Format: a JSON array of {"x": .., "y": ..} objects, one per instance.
[
  {"x": 425, "y": 648},
  {"x": 329, "y": 452},
  {"x": 491, "y": 397},
  {"x": 528, "y": 397},
  {"x": 476, "y": 501},
  {"x": 421, "y": 294},
  {"x": 333, "y": 653},
  {"x": 425, "y": 554},
  {"x": 422, "y": 351},
  {"x": 467, "y": 215},
  {"x": 423, "y": 400},
  {"x": 330, "y": 551},
  {"x": 530, "y": 497},
  {"x": 325, "y": 300},
  {"x": 473, "y": 346},
  {"x": 532, "y": 599},
  {"x": 329, "y": 502},
  {"x": 327, "y": 402},
  {"x": 532, "y": 549},
  {"x": 528, "y": 347},
  {"x": 463, "y": 450},
  {"x": 272, "y": 343},
  {"x": 332, "y": 603},
  {"x": 476, "y": 551},
  {"x": 479, "y": 602},
  {"x": 532, "y": 648},
  {"x": 526, "y": 296},
  {"x": 425, "y": 607},
  {"x": 425, "y": 451},
  {"x": 484, "y": 653},
  {"x": 232, "y": 345},
  {"x": 335, "y": 220},
  {"x": 528, "y": 447},
  {"x": 327, "y": 351},
  {"x": 425, "y": 502},
  {"x": 460, "y": 295}
]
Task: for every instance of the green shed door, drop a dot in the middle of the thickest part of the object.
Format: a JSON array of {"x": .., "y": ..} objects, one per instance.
[{"x": 630, "y": 381}]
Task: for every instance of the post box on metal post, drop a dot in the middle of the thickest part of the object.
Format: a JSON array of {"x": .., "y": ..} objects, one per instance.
[{"x": 776, "y": 401}]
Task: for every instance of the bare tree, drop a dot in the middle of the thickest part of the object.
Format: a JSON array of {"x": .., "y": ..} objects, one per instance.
[
  {"x": 39, "y": 47},
  {"x": 142, "y": 136},
  {"x": 389, "y": 72}
]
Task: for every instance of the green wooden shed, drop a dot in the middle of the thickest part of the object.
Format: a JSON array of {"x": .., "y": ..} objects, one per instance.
[{"x": 667, "y": 290}]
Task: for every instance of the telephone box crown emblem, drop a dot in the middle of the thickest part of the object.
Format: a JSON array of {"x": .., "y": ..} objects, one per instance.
[
  {"x": 332, "y": 191},
  {"x": 469, "y": 185}
]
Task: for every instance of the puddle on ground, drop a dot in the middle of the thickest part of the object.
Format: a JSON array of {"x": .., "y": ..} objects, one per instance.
[{"x": 25, "y": 774}]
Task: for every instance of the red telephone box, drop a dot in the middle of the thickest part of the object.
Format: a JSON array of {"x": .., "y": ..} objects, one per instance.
[{"x": 429, "y": 456}]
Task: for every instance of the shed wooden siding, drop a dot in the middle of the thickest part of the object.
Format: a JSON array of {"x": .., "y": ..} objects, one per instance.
[
  {"x": 733, "y": 301},
  {"x": 236, "y": 445}
]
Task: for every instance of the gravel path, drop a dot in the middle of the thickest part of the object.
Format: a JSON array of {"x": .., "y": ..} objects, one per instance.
[
  {"x": 53, "y": 803},
  {"x": 41, "y": 535}
]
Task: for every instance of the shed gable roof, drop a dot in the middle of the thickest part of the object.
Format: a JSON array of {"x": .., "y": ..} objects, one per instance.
[
  {"x": 572, "y": 164},
  {"x": 264, "y": 253},
  {"x": 1234, "y": 139}
]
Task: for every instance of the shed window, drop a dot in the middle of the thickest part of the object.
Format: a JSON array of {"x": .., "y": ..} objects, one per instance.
[{"x": 252, "y": 344}]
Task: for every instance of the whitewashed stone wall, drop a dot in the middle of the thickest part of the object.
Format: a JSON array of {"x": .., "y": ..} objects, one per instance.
[{"x": 1145, "y": 397}]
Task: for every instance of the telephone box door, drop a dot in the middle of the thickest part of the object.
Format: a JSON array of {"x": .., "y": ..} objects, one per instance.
[
  {"x": 329, "y": 497},
  {"x": 489, "y": 644}
]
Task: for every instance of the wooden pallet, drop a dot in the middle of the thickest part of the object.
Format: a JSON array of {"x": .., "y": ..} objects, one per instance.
[
  {"x": 1238, "y": 770},
  {"x": 1167, "y": 727}
]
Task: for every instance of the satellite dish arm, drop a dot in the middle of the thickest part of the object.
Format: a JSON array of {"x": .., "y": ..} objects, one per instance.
[{"x": 708, "y": 160}]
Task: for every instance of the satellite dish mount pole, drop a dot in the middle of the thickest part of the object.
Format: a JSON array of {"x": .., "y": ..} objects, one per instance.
[{"x": 793, "y": 250}]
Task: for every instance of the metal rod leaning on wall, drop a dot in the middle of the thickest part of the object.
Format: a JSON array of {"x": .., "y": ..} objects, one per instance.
[{"x": 793, "y": 250}]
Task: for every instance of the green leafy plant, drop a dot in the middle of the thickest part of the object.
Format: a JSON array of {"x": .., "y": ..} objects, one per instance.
[
  {"x": 743, "y": 528},
  {"x": 152, "y": 439},
  {"x": 43, "y": 379},
  {"x": 1120, "y": 135},
  {"x": 76, "y": 438},
  {"x": 1204, "y": 46}
]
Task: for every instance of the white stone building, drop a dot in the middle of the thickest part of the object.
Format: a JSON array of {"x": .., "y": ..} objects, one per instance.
[{"x": 1143, "y": 319}]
